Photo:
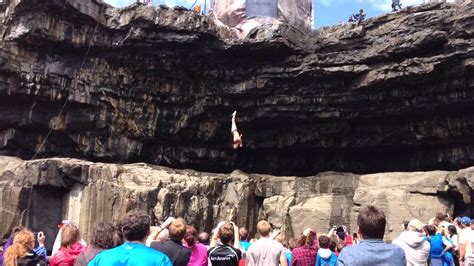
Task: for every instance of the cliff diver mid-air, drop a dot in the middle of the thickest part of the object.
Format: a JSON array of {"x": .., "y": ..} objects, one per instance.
[{"x": 236, "y": 137}]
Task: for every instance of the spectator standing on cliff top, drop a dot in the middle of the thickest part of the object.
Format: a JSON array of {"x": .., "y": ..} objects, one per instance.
[
  {"x": 236, "y": 137},
  {"x": 145, "y": 2},
  {"x": 372, "y": 250},
  {"x": 361, "y": 16},
  {"x": 396, "y": 4},
  {"x": 197, "y": 9}
]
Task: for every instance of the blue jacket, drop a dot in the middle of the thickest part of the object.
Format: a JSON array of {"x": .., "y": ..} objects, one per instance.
[
  {"x": 326, "y": 257},
  {"x": 372, "y": 252}
]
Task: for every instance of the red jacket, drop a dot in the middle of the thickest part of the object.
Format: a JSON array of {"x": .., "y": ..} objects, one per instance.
[{"x": 66, "y": 255}]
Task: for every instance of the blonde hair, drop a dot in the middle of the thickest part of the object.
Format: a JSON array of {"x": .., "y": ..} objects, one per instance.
[
  {"x": 264, "y": 228},
  {"x": 70, "y": 235},
  {"x": 23, "y": 242},
  {"x": 281, "y": 238}
]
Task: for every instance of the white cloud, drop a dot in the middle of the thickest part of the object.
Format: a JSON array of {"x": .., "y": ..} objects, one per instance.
[
  {"x": 324, "y": 3},
  {"x": 120, "y": 3},
  {"x": 411, "y": 2}
]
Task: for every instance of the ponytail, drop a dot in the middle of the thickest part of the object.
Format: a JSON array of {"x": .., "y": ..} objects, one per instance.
[
  {"x": 22, "y": 243},
  {"x": 191, "y": 235}
]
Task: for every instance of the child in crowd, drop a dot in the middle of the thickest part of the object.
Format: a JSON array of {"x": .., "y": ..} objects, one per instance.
[{"x": 325, "y": 256}]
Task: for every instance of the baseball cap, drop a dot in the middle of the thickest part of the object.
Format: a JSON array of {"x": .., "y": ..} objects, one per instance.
[{"x": 465, "y": 220}]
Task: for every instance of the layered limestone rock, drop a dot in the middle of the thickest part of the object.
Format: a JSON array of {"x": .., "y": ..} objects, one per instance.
[
  {"x": 59, "y": 188},
  {"x": 159, "y": 85}
]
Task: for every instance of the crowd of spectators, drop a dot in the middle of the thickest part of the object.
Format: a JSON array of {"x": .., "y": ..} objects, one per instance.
[{"x": 441, "y": 241}]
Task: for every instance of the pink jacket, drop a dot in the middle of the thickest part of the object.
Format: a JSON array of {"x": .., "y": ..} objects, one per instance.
[{"x": 66, "y": 255}]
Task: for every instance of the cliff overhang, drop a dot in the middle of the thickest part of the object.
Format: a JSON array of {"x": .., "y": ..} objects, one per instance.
[{"x": 159, "y": 84}]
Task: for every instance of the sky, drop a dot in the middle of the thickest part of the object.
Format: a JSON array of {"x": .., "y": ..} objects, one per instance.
[{"x": 326, "y": 12}]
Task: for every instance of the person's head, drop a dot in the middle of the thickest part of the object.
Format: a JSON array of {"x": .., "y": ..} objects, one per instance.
[
  {"x": 177, "y": 229},
  {"x": 117, "y": 238},
  {"x": 430, "y": 230},
  {"x": 23, "y": 242},
  {"x": 371, "y": 222},
  {"x": 361, "y": 11},
  {"x": 324, "y": 241},
  {"x": 355, "y": 236},
  {"x": 103, "y": 236},
  {"x": 293, "y": 243},
  {"x": 308, "y": 237},
  {"x": 264, "y": 228},
  {"x": 226, "y": 233},
  {"x": 203, "y": 238},
  {"x": 70, "y": 235},
  {"x": 332, "y": 246},
  {"x": 191, "y": 235},
  {"x": 452, "y": 230},
  {"x": 439, "y": 217},
  {"x": 136, "y": 225},
  {"x": 16, "y": 230},
  {"x": 465, "y": 221},
  {"x": 244, "y": 234},
  {"x": 281, "y": 238},
  {"x": 443, "y": 231},
  {"x": 415, "y": 226}
]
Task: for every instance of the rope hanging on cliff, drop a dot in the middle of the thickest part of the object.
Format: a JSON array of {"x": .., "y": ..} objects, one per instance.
[
  {"x": 74, "y": 85},
  {"x": 61, "y": 111}
]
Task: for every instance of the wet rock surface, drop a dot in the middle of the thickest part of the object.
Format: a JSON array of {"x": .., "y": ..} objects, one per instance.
[
  {"x": 159, "y": 85},
  {"x": 89, "y": 192}
]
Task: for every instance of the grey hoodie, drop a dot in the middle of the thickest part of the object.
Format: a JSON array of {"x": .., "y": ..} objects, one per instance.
[{"x": 416, "y": 248}]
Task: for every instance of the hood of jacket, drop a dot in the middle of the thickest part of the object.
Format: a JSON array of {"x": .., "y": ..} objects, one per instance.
[
  {"x": 324, "y": 253},
  {"x": 412, "y": 239},
  {"x": 74, "y": 250}
]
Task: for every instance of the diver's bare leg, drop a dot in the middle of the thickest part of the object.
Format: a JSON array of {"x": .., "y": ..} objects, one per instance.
[{"x": 234, "y": 125}]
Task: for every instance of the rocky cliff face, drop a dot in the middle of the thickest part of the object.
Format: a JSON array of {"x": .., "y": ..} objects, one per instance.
[
  {"x": 85, "y": 192},
  {"x": 159, "y": 85}
]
